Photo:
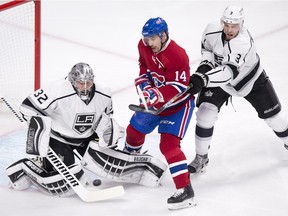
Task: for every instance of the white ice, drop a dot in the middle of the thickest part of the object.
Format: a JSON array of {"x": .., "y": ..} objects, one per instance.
[{"x": 248, "y": 170}]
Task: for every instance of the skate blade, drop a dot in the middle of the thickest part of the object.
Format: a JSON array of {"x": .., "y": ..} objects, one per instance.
[
  {"x": 185, "y": 204},
  {"x": 200, "y": 172}
]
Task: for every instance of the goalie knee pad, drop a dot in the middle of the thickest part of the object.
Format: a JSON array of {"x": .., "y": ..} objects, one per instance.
[
  {"x": 207, "y": 115},
  {"x": 119, "y": 166},
  {"x": 18, "y": 179},
  {"x": 51, "y": 183}
]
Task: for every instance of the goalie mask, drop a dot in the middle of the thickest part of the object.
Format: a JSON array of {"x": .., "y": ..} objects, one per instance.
[{"x": 81, "y": 77}]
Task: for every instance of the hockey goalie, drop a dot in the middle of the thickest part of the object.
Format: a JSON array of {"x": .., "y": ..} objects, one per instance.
[{"x": 65, "y": 116}]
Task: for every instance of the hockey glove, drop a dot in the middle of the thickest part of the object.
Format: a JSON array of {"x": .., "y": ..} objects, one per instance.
[
  {"x": 204, "y": 67},
  {"x": 143, "y": 82},
  {"x": 152, "y": 96},
  {"x": 197, "y": 81}
]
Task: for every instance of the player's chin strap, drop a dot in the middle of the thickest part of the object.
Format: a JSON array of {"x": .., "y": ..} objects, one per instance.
[{"x": 70, "y": 178}]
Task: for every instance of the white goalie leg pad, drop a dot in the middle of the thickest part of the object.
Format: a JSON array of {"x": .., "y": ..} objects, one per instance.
[
  {"x": 52, "y": 183},
  {"x": 120, "y": 166},
  {"x": 38, "y": 135},
  {"x": 18, "y": 180},
  {"x": 108, "y": 131}
]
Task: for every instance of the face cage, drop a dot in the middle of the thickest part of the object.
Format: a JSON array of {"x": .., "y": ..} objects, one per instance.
[{"x": 84, "y": 94}]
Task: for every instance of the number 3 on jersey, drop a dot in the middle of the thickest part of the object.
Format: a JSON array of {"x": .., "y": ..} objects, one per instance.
[{"x": 41, "y": 96}]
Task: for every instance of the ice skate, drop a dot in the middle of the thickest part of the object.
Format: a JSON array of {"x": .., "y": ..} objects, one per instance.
[
  {"x": 182, "y": 198},
  {"x": 198, "y": 165}
]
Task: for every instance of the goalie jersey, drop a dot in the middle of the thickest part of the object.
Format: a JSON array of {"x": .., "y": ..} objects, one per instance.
[
  {"x": 236, "y": 62},
  {"x": 61, "y": 103}
]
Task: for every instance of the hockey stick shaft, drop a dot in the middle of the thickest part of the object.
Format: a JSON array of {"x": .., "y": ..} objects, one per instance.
[
  {"x": 70, "y": 178},
  {"x": 82, "y": 192},
  {"x": 140, "y": 93},
  {"x": 138, "y": 108}
]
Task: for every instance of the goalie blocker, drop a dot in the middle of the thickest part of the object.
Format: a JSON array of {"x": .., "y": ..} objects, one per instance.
[
  {"x": 38, "y": 135},
  {"x": 120, "y": 166}
]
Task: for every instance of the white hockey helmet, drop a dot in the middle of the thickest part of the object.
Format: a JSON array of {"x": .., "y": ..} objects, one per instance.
[
  {"x": 82, "y": 73},
  {"x": 233, "y": 15}
]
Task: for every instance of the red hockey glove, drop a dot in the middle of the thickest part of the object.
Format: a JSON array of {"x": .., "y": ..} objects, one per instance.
[
  {"x": 152, "y": 96},
  {"x": 143, "y": 82}
]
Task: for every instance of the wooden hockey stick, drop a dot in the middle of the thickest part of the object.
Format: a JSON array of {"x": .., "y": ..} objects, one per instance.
[
  {"x": 85, "y": 194},
  {"x": 152, "y": 111}
]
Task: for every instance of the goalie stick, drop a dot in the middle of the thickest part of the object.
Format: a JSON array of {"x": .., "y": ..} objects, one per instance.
[
  {"x": 85, "y": 194},
  {"x": 152, "y": 111}
]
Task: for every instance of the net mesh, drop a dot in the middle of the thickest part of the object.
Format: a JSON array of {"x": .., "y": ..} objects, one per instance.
[{"x": 17, "y": 53}]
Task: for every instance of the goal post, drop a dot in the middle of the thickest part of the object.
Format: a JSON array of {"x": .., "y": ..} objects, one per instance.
[{"x": 20, "y": 49}]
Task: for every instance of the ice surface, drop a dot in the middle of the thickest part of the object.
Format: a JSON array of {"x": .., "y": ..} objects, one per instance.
[{"x": 247, "y": 174}]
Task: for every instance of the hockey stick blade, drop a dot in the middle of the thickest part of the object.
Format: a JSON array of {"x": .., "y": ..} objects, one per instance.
[
  {"x": 80, "y": 190},
  {"x": 137, "y": 108}
]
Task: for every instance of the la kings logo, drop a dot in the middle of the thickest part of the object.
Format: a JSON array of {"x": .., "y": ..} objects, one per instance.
[{"x": 83, "y": 122}]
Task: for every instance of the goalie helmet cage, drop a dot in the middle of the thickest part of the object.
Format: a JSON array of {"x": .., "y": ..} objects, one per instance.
[{"x": 20, "y": 33}]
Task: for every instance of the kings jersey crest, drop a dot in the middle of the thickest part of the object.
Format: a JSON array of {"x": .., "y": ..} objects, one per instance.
[{"x": 83, "y": 122}]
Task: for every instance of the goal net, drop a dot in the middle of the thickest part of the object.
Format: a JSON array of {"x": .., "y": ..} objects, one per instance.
[{"x": 19, "y": 50}]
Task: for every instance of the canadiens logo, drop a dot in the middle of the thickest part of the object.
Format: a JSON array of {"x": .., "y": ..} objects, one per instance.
[
  {"x": 158, "y": 80},
  {"x": 83, "y": 122}
]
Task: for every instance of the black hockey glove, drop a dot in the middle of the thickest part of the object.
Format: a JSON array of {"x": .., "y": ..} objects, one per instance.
[
  {"x": 199, "y": 79},
  {"x": 197, "y": 82},
  {"x": 205, "y": 66}
]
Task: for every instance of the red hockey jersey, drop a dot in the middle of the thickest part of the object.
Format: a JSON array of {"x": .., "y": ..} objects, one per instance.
[{"x": 168, "y": 70}]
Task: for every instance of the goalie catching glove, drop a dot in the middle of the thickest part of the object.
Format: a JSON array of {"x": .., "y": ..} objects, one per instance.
[{"x": 108, "y": 131}]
